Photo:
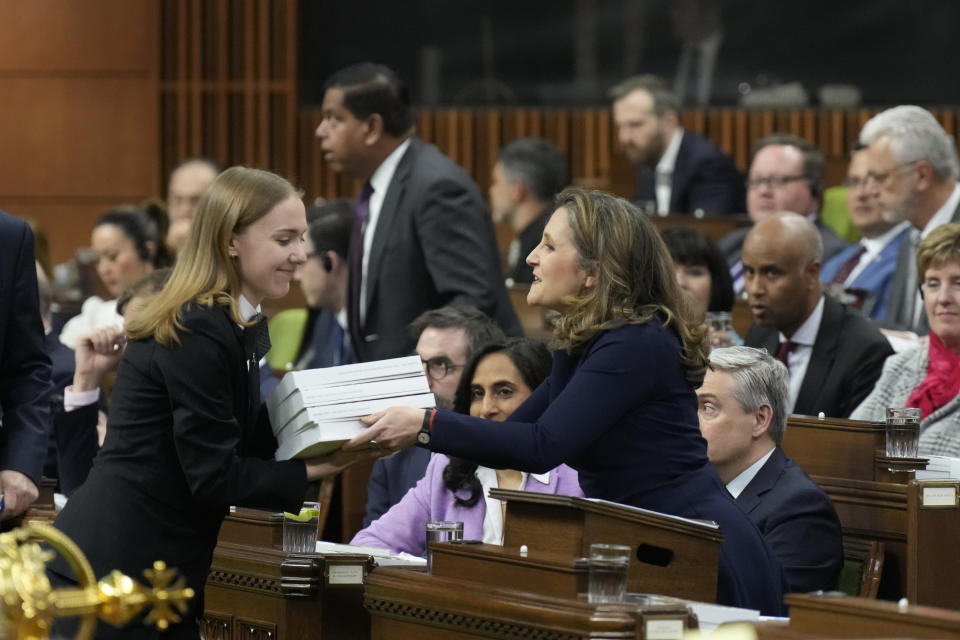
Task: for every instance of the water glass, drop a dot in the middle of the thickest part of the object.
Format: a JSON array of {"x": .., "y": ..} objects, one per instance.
[
  {"x": 300, "y": 530},
  {"x": 903, "y": 432},
  {"x": 721, "y": 328},
  {"x": 609, "y": 566},
  {"x": 441, "y": 531}
]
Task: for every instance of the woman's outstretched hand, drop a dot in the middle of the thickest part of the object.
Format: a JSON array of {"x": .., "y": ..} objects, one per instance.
[{"x": 393, "y": 429}]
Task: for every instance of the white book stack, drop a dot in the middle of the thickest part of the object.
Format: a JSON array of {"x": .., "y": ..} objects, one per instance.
[{"x": 314, "y": 412}]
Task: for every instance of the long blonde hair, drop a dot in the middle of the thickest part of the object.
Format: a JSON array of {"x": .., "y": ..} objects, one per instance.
[
  {"x": 204, "y": 272},
  {"x": 634, "y": 274}
]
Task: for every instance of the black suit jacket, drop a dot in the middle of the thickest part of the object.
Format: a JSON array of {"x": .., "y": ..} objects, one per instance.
[
  {"x": 24, "y": 365},
  {"x": 899, "y": 312},
  {"x": 798, "y": 523},
  {"x": 846, "y": 362},
  {"x": 433, "y": 245},
  {"x": 183, "y": 444},
  {"x": 704, "y": 177},
  {"x": 391, "y": 478}
]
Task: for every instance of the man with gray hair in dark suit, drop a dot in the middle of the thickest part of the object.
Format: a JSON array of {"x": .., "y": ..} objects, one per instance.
[
  {"x": 912, "y": 168},
  {"x": 742, "y": 407}
]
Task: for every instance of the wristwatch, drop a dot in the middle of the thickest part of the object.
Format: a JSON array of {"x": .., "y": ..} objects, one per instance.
[{"x": 424, "y": 435}]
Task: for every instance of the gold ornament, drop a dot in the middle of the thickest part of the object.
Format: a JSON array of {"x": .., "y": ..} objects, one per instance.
[{"x": 29, "y": 604}]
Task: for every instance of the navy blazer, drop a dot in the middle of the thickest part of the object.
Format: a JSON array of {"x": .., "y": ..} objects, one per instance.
[
  {"x": 621, "y": 412},
  {"x": 24, "y": 365},
  {"x": 846, "y": 362},
  {"x": 704, "y": 177},
  {"x": 391, "y": 478},
  {"x": 875, "y": 277},
  {"x": 434, "y": 245},
  {"x": 798, "y": 523}
]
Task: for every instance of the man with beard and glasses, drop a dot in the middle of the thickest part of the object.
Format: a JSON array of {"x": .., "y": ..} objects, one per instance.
[{"x": 678, "y": 171}]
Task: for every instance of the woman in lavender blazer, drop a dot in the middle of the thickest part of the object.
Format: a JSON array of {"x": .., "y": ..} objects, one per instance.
[{"x": 497, "y": 380}]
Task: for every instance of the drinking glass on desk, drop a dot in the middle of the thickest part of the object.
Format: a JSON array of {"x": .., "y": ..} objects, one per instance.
[
  {"x": 609, "y": 566},
  {"x": 441, "y": 531},
  {"x": 300, "y": 529},
  {"x": 902, "y": 432}
]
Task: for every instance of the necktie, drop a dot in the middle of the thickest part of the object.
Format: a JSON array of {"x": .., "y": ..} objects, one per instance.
[
  {"x": 256, "y": 344},
  {"x": 847, "y": 267},
  {"x": 783, "y": 352},
  {"x": 360, "y": 219},
  {"x": 736, "y": 274}
]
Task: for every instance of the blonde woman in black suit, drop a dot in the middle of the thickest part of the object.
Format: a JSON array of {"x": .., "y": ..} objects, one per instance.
[{"x": 184, "y": 441}]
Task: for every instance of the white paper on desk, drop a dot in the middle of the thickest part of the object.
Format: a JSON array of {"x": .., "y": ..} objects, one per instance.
[
  {"x": 383, "y": 557},
  {"x": 939, "y": 468},
  {"x": 710, "y": 616}
]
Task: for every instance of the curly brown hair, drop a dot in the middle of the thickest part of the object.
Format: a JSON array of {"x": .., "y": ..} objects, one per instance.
[{"x": 635, "y": 277}]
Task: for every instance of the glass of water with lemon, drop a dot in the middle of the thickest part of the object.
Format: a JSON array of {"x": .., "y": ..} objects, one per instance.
[{"x": 300, "y": 529}]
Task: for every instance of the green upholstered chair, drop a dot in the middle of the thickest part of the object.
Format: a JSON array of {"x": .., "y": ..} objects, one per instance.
[
  {"x": 835, "y": 213},
  {"x": 286, "y": 334}
]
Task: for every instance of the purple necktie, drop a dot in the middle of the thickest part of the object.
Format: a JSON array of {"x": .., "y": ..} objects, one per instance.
[
  {"x": 360, "y": 220},
  {"x": 784, "y": 351},
  {"x": 847, "y": 267}
]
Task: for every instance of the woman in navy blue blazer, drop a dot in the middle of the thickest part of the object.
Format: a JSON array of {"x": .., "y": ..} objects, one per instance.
[{"x": 619, "y": 405}]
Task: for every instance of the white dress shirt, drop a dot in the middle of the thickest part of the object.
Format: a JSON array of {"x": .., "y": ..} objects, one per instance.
[
  {"x": 493, "y": 518},
  {"x": 380, "y": 181},
  {"x": 738, "y": 484},
  {"x": 799, "y": 358},
  {"x": 664, "y": 172}
]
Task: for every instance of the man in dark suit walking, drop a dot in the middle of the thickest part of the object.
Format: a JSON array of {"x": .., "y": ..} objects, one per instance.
[
  {"x": 743, "y": 417},
  {"x": 677, "y": 171},
  {"x": 834, "y": 355},
  {"x": 422, "y": 237},
  {"x": 24, "y": 370}
]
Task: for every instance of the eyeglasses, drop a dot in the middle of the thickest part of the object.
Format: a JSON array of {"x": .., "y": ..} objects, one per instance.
[
  {"x": 881, "y": 178},
  {"x": 439, "y": 368},
  {"x": 775, "y": 182}
]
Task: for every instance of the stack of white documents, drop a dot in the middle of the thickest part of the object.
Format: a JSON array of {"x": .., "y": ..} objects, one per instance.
[{"x": 314, "y": 412}]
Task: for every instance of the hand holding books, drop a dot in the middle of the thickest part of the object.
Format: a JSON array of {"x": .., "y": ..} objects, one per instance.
[{"x": 394, "y": 428}]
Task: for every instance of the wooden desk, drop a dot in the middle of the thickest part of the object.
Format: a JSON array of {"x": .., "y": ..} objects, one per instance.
[
  {"x": 862, "y": 618},
  {"x": 714, "y": 226},
  {"x": 256, "y": 591},
  {"x": 405, "y": 604},
  {"x": 845, "y": 457}
]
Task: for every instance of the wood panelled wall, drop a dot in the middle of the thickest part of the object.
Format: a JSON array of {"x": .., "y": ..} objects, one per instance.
[
  {"x": 78, "y": 112},
  {"x": 472, "y": 138},
  {"x": 228, "y": 83}
]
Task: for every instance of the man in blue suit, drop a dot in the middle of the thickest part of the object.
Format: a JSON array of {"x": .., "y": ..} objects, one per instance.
[
  {"x": 678, "y": 171},
  {"x": 742, "y": 417},
  {"x": 24, "y": 370},
  {"x": 861, "y": 274}
]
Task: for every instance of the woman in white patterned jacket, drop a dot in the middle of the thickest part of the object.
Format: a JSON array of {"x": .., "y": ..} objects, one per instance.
[{"x": 928, "y": 376}]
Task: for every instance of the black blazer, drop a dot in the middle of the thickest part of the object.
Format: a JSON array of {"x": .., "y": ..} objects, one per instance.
[
  {"x": 704, "y": 177},
  {"x": 434, "y": 245},
  {"x": 900, "y": 308},
  {"x": 24, "y": 365},
  {"x": 183, "y": 444},
  {"x": 846, "y": 362},
  {"x": 798, "y": 523}
]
